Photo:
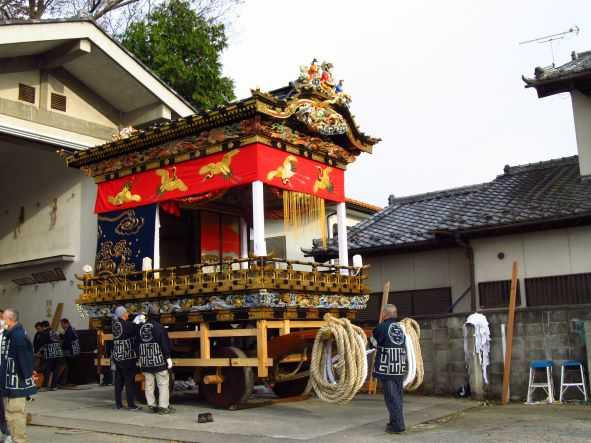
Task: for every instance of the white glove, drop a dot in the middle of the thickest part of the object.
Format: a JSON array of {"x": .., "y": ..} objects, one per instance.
[
  {"x": 139, "y": 319},
  {"x": 169, "y": 363}
]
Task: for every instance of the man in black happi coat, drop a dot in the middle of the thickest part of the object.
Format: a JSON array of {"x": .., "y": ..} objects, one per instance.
[
  {"x": 71, "y": 347},
  {"x": 124, "y": 355},
  {"x": 53, "y": 355},
  {"x": 154, "y": 361},
  {"x": 390, "y": 365}
]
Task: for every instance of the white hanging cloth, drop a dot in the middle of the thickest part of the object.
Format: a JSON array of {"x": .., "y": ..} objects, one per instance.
[{"x": 481, "y": 339}]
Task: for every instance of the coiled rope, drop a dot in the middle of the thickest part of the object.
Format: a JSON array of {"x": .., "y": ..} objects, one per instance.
[
  {"x": 336, "y": 375},
  {"x": 416, "y": 370}
]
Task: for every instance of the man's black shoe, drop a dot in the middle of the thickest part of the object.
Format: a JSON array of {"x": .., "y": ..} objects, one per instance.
[
  {"x": 391, "y": 430},
  {"x": 155, "y": 409},
  {"x": 204, "y": 417}
]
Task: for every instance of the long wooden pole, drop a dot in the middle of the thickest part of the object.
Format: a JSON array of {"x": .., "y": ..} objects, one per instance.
[
  {"x": 57, "y": 316},
  {"x": 510, "y": 325},
  {"x": 385, "y": 295}
]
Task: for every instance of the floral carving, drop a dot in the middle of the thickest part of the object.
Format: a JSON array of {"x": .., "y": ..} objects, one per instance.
[
  {"x": 189, "y": 144},
  {"x": 283, "y": 132}
]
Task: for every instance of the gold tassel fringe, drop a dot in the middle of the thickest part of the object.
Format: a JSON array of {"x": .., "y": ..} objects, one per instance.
[{"x": 300, "y": 210}]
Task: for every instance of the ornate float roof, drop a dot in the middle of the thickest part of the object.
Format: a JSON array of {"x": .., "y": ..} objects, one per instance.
[{"x": 311, "y": 113}]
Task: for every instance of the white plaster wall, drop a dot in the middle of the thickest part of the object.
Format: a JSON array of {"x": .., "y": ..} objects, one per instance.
[
  {"x": 294, "y": 241},
  {"x": 538, "y": 254},
  {"x": 422, "y": 270},
  {"x": 9, "y": 84},
  {"x": 76, "y": 106},
  {"x": 32, "y": 179},
  {"x": 75, "y": 231},
  {"x": 36, "y": 130},
  {"x": 582, "y": 116},
  {"x": 31, "y": 301}
]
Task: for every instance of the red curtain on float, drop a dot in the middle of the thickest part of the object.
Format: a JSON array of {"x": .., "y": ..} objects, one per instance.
[
  {"x": 230, "y": 237},
  {"x": 222, "y": 171},
  {"x": 210, "y": 237},
  {"x": 220, "y": 237}
]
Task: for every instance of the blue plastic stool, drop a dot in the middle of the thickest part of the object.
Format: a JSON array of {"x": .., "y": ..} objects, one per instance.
[
  {"x": 546, "y": 385},
  {"x": 580, "y": 385}
]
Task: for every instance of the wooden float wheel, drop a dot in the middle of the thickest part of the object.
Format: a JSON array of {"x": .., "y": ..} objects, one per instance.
[
  {"x": 237, "y": 385},
  {"x": 282, "y": 346},
  {"x": 291, "y": 388}
]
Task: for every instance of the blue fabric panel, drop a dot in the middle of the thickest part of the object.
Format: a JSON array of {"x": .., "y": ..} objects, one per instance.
[{"x": 124, "y": 239}]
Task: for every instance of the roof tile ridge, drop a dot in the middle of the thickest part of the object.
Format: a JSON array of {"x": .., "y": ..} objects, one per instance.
[
  {"x": 431, "y": 195},
  {"x": 544, "y": 164}
]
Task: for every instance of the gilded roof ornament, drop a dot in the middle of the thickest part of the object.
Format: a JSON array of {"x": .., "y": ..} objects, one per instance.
[
  {"x": 319, "y": 78},
  {"x": 125, "y": 133}
]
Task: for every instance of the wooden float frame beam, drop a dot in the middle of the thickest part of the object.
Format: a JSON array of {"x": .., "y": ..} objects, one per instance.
[{"x": 202, "y": 332}]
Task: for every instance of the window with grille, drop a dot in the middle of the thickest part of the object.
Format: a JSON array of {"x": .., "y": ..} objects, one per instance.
[
  {"x": 26, "y": 93},
  {"x": 420, "y": 302},
  {"x": 573, "y": 289},
  {"x": 495, "y": 294},
  {"x": 58, "y": 102}
]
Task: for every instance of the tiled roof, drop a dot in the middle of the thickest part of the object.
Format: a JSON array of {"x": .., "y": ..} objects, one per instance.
[
  {"x": 552, "y": 80},
  {"x": 580, "y": 62},
  {"x": 529, "y": 194}
]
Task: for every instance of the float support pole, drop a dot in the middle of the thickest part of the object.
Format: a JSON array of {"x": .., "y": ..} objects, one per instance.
[
  {"x": 258, "y": 219},
  {"x": 342, "y": 235},
  {"x": 243, "y": 242}
]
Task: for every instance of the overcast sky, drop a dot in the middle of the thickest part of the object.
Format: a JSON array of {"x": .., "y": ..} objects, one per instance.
[{"x": 438, "y": 81}]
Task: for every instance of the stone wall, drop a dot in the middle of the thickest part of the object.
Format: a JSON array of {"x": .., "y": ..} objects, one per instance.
[{"x": 549, "y": 333}]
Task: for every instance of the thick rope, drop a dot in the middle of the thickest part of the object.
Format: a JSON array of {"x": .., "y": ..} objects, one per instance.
[
  {"x": 338, "y": 366},
  {"x": 416, "y": 372},
  {"x": 411, "y": 371}
]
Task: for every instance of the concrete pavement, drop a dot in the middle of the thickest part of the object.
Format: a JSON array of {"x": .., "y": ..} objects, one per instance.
[
  {"x": 91, "y": 409},
  {"x": 86, "y": 416}
]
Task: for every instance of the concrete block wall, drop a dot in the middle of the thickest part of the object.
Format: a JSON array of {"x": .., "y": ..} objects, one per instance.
[
  {"x": 553, "y": 334},
  {"x": 442, "y": 345}
]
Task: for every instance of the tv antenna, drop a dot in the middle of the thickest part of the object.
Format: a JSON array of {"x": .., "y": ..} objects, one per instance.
[{"x": 552, "y": 38}]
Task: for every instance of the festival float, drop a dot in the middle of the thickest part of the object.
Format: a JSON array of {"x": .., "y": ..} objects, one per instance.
[{"x": 181, "y": 222}]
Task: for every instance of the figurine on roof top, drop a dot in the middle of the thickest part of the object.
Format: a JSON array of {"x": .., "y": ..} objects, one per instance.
[
  {"x": 326, "y": 80},
  {"x": 320, "y": 78},
  {"x": 313, "y": 71}
]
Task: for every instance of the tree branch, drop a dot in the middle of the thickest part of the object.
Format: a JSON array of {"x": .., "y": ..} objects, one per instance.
[{"x": 110, "y": 6}]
